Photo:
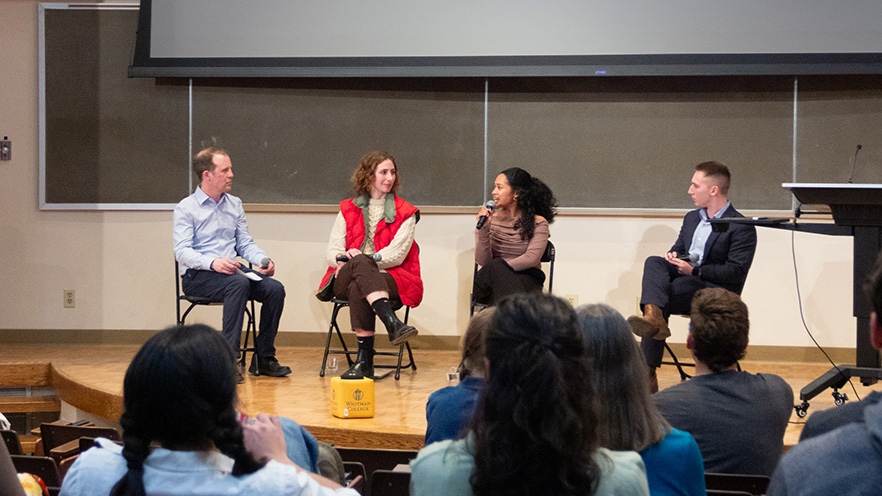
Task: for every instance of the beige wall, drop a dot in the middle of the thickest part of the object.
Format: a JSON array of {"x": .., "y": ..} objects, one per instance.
[{"x": 120, "y": 263}]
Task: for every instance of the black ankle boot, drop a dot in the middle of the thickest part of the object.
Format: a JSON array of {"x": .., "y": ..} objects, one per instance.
[
  {"x": 363, "y": 366},
  {"x": 399, "y": 332}
]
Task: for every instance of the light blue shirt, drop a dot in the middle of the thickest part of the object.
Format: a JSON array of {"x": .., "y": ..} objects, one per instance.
[
  {"x": 205, "y": 230},
  {"x": 702, "y": 232},
  {"x": 190, "y": 473}
]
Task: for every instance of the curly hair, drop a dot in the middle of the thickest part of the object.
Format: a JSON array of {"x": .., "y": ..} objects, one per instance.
[
  {"x": 204, "y": 161},
  {"x": 535, "y": 423},
  {"x": 180, "y": 390},
  {"x": 363, "y": 177},
  {"x": 533, "y": 198},
  {"x": 719, "y": 325},
  {"x": 629, "y": 419}
]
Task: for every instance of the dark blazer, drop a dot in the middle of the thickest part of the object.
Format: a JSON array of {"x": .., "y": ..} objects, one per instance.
[{"x": 727, "y": 255}]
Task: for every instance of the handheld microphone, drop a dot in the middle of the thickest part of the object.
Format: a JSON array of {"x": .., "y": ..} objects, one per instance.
[
  {"x": 688, "y": 257},
  {"x": 483, "y": 219},
  {"x": 343, "y": 258},
  {"x": 264, "y": 264},
  {"x": 853, "y": 162}
]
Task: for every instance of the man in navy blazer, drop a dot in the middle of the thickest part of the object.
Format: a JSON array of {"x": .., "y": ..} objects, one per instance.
[{"x": 701, "y": 258}]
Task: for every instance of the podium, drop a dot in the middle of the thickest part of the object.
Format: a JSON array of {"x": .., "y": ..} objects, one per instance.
[
  {"x": 857, "y": 212},
  {"x": 856, "y": 208}
]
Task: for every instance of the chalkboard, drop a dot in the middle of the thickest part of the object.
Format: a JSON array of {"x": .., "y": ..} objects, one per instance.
[
  {"x": 624, "y": 142},
  {"x": 108, "y": 138}
]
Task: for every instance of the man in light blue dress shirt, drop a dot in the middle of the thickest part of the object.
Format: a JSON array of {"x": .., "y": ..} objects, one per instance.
[
  {"x": 700, "y": 258},
  {"x": 209, "y": 232}
]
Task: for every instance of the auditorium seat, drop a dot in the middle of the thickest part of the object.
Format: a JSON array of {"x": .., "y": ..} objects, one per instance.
[
  {"x": 748, "y": 484},
  {"x": 376, "y": 459},
  {"x": 390, "y": 483}
]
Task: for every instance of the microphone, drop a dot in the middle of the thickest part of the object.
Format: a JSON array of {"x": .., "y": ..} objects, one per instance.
[
  {"x": 265, "y": 263},
  {"x": 853, "y": 162},
  {"x": 343, "y": 258},
  {"x": 688, "y": 257},
  {"x": 483, "y": 219}
]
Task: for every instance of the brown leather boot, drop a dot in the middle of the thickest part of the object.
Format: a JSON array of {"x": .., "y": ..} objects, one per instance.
[
  {"x": 651, "y": 325},
  {"x": 653, "y": 380}
]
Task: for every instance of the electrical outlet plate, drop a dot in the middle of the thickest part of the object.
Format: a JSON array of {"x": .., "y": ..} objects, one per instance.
[
  {"x": 5, "y": 149},
  {"x": 70, "y": 298}
]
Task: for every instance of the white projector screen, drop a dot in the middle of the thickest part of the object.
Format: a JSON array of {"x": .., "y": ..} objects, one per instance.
[{"x": 507, "y": 37}]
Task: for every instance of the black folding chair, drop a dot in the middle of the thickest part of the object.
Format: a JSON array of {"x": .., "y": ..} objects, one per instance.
[
  {"x": 344, "y": 350},
  {"x": 194, "y": 301}
]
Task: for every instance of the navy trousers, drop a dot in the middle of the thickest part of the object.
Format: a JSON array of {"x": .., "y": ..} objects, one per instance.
[
  {"x": 671, "y": 291},
  {"x": 235, "y": 290}
]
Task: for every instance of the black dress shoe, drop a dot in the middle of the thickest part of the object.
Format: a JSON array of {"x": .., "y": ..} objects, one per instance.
[
  {"x": 239, "y": 377},
  {"x": 363, "y": 366},
  {"x": 268, "y": 366}
]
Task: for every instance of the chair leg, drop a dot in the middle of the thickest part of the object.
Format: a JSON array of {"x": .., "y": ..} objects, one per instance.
[
  {"x": 683, "y": 374},
  {"x": 331, "y": 327}
]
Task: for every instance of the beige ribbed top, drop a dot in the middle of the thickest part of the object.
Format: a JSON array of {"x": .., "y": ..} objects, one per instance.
[{"x": 393, "y": 254}]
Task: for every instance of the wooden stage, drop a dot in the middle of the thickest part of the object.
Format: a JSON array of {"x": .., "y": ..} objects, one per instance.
[{"x": 90, "y": 379}]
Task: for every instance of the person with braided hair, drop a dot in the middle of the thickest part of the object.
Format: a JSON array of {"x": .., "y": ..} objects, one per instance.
[
  {"x": 180, "y": 391},
  {"x": 510, "y": 244},
  {"x": 535, "y": 427}
]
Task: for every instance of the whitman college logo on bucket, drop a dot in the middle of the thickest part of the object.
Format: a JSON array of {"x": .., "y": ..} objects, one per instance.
[{"x": 352, "y": 398}]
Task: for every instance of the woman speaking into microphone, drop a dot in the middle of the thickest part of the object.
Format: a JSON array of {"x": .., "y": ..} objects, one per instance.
[
  {"x": 510, "y": 238},
  {"x": 373, "y": 258}
]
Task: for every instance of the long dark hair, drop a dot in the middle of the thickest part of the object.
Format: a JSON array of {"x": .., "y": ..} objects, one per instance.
[
  {"x": 180, "y": 390},
  {"x": 629, "y": 419},
  {"x": 534, "y": 428},
  {"x": 534, "y": 198}
]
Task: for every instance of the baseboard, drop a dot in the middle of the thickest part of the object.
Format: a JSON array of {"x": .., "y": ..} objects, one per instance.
[{"x": 794, "y": 354}]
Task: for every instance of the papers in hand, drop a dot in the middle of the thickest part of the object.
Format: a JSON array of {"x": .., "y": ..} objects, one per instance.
[{"x": 250, "y": 275}]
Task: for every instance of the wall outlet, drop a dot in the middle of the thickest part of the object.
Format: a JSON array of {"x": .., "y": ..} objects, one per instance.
[
  {"x": 572, "y": 299},
  {"x": 5, "y": 149},
  {"x": 70, "y": 298}
]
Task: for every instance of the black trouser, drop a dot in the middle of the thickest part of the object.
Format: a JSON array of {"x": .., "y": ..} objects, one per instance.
[
  {"x": 496, "y": 280},
  {"x": 669, "y": 290},
  {"x": 235, "y": 290}
]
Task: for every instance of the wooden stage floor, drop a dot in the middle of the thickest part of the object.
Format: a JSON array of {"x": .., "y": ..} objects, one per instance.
[{"x": 90, "y": 378}]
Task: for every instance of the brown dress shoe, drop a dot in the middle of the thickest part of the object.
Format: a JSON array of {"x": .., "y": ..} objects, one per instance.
[{"x": 651, "y": 325}]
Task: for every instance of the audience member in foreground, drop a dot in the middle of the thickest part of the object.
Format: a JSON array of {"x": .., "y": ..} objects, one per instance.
[
  {"x": 846, "y": 460},
  {"x": 629, "y": 420},
  {"x": 449, "y": 410},
  {"x": 180, "y": 391},
  {"x": 737, "y": 418},
  {"x": 535, "y": 427},
  {"x": 826, "y": 420}
]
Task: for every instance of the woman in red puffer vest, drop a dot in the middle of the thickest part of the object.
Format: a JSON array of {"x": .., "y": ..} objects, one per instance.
[{"x": 372, "y": 258}]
